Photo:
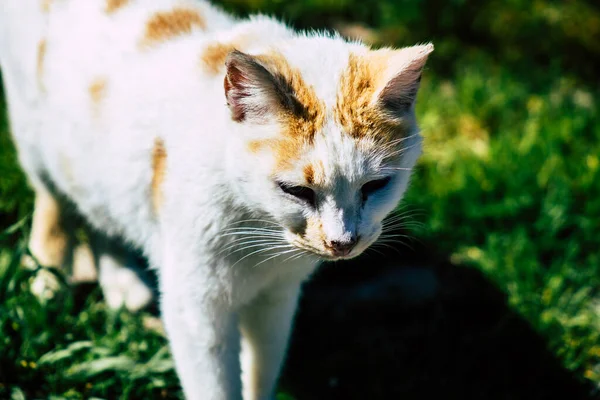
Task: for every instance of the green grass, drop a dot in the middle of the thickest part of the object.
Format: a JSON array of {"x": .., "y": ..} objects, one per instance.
[
  {"x": 71, "y": 345},
  {"x": 508, "y": 185}
]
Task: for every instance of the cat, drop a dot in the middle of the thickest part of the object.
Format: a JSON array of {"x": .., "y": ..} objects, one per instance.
[{"x": 237, "y": 154}]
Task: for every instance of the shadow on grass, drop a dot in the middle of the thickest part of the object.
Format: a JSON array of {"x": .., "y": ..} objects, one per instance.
[{"x": 419, "y": 330}]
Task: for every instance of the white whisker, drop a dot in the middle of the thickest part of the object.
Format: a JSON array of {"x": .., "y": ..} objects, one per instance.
[
  {"x": 276, "y": 255},
  {"x": 395, "y": 169},
  {"x": 264, "y": 221},
  {"x": 251, "y": 229},
  {"x": 300, "y": 253},
  {"x": 253, "y": 253},
  {"x": 400, "y": 151},
  {"x": 254, "y": 234},
  {"x": 249, "y": 245}
]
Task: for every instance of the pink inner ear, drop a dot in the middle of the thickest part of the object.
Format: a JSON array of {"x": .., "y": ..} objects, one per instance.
[
  {"x": 235, "y": 83},
  {"x": 253, "y": 92},
  {"x": 400, "y": 92}
]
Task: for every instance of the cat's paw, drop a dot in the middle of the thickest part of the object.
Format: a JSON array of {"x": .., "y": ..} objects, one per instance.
[
  {"x": 123, "y": 287},
  {"x": 45, "y": 285}
]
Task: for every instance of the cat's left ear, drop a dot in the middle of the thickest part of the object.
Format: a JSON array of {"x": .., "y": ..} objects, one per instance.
[
  {"x": 402, "y": 77},
  {"x": 253, "y": 92}
]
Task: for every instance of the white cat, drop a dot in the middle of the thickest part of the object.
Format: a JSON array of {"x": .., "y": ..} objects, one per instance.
[{"x": 236, "y": 154}]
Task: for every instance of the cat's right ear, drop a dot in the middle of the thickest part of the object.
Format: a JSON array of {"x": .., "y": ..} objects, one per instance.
[
  {"x": 403, "y": 75},
  {"x": 253, "y": 93}
]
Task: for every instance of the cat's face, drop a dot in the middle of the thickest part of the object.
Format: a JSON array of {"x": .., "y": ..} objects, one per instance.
[
  {"x": 333, "y": 199},
  {"x": 328, "y": 169}
]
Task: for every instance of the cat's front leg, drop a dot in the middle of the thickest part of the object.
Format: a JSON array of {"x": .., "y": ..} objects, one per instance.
[
  {"x": 265, "y": 325},
  {"x": 202, "y": 330}
]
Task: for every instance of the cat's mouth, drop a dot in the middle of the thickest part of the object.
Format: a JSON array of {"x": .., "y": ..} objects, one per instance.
[{"x": 332, "y": 251}]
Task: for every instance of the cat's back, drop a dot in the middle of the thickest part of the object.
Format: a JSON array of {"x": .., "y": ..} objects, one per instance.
[
  {"x": 74, "y": 35},
  {"x": 72, "y": 70},
  {"x": 90, "y": 37},
  {"x": 112, "y": 84},
  {"x": 53, "y": 51}
]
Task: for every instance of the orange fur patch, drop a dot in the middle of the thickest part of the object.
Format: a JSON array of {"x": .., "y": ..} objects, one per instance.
[
  {"x": 307, "y": 125},
  {"x": 314, "y": 234},
  {"x": 45, "y": 5},
  {"x": 159, "y": 165},
  {"x": 168, "y": 24},
  {"x": 114, "y": 5},
  {"x": 354, "y": 109},
  {"x": 41, "y": 57},
  {"x": 309, "y": 174},
  {"x": 315, "y": 173},
  {"x": 256, "y": 146},
  {"x": 299, "y": 130},
  {"x": 213, "y": 58},
  {"x": 97, "y": 92}
]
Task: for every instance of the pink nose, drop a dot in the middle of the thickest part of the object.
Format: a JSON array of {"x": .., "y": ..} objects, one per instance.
[{"x": 342, "y": 248}]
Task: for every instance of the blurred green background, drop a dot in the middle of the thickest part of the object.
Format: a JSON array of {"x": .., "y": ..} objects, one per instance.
[{"x": 509, "y": 184}]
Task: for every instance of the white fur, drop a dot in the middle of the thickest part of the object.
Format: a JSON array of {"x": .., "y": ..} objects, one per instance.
[{"x": 215, "y": 192}]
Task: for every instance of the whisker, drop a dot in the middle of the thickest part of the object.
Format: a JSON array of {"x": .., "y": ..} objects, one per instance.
[
  {"x": 399, "y": 140},
  {"x": 301, "y": 253},
  {"x": 276, "y": 255},
  {"x": 395, "y": 229},
  {"x": 400, "y": 222},
  {"x": 404, "y": 225},
  {"x": 251, "y": 254},
  {"x": 249, "y": 245},
  {"x": 373, "y": 248},
  {"x": 251, "y": 238},
  {"x": 255, "y": 234},
  {"x": 265, "y": 246},
  {"x": 401, "y": 225},
  {"x": 389, "y": 242},
  {"x": 239, "y": 237},
  {"x": 251, "y": 229},
  {"x": 399, "y": 151},
  {"x": 396, "y": 169},
  {"x": 386, "y": 245},
  {"x": 397, "y": 235},
  {"x": 403, "y": 215},
  {"x": 255, "y": 220},
  {"x": 398, "y": 217}
]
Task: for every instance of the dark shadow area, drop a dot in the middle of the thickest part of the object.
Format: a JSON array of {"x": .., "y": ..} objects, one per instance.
[{"x": 421, "y": 328}]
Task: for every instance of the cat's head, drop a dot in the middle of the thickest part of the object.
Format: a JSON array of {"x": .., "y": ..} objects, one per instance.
[{"x": 326, "y": 138}]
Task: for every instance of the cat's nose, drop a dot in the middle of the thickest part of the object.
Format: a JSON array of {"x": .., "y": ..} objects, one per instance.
[{"x": 341, "y": 248}]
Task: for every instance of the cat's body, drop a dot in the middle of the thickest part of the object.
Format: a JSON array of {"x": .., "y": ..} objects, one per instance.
[{"x": 210, "y": 160}]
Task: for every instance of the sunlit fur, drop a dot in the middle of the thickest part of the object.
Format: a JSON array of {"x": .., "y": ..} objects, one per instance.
[{"x": 171, "y": 126}]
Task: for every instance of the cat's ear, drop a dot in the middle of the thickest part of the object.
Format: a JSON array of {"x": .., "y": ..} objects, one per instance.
[
  {"x": 254, "y": 93},
  {"x": 403, "y": 75}
]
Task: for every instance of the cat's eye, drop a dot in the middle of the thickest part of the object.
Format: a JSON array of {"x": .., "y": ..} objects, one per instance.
[
  {"x": 371, "y": 187},
  {"x": 300, "y": 192}
]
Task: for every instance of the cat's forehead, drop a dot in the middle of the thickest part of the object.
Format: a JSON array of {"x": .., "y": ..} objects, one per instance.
[
  {"x": 330, "y": 157},
  {"x": 340, "y": 127},
  {"x": 321, "y": 61},
  {"x": 350, "y": 107}
]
